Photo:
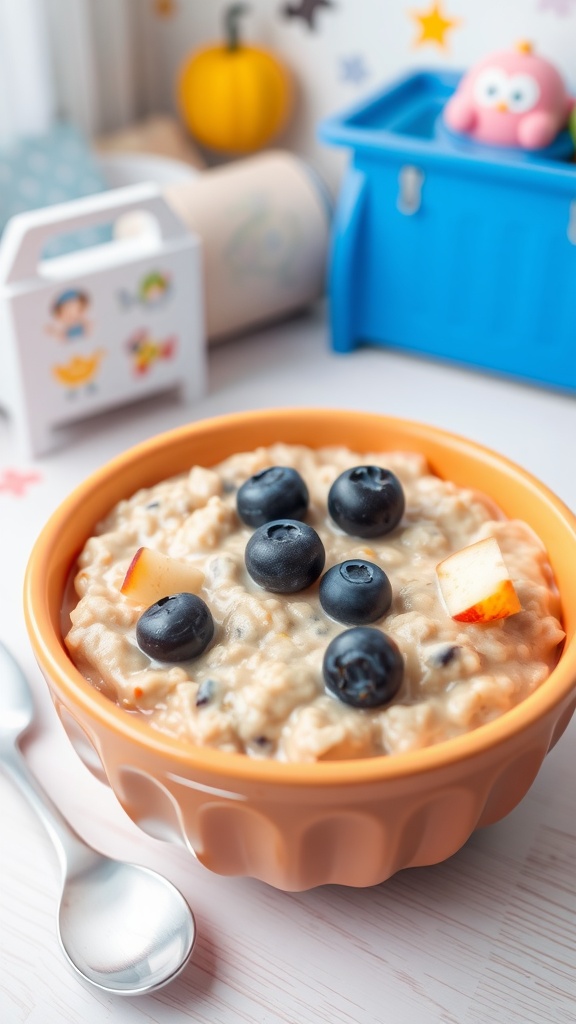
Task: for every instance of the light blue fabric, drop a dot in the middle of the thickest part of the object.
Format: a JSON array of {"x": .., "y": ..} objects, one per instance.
[{"x": 43, "y": 170}]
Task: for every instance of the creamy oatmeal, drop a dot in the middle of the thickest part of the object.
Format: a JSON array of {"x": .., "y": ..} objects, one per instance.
[{"x": 258, "y": 688}]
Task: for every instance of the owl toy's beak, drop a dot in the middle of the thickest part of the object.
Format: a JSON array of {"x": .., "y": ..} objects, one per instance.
[{"x": 502, "y": 108}]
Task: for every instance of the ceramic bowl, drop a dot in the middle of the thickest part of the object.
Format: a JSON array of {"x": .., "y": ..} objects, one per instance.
[{"x": 296, "y": 826}]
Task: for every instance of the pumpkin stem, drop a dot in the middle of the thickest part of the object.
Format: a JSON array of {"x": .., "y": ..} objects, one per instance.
[{"x": 231, "y": 29}]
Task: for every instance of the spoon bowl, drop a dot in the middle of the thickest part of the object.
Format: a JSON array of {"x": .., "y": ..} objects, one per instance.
[{"x": 123, "y": 927}]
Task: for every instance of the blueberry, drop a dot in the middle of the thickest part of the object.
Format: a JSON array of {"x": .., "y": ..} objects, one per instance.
[
  {"x": 275, "y": 493},
  {"x": 445, "y": 655},
  {"x": 363, "y": 667},
  {"x": 285, "y": 556},
  {"x": 176, "y": 628},
  {"x": 355, "y": 592},
  {"x": 205, "y": 693},
  {"x": 366, "y": 501}
]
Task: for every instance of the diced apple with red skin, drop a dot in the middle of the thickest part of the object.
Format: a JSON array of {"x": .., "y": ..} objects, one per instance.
[
  {"x": 152, "y": 575},
  {"x": 476, "y": 585}
]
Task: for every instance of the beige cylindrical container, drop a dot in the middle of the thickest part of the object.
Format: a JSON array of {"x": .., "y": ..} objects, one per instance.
[{"x": 264, "y": 223}]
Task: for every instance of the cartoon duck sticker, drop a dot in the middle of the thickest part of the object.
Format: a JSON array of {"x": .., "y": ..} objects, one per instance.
[
  {"x": 146, "y": 350},
  {"x": 79, "y": 372},
  {"x": 70, "y": 321},
  {"x": 153, "y": 290}
]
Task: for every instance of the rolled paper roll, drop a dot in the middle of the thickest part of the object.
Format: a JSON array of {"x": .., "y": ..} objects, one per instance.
[
  {"x": 264, "y": 222},
  {"x": 160, "y": 135}
]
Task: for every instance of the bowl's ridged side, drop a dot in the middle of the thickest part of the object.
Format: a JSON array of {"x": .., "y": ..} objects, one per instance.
[{"x": 294, "y": 843}]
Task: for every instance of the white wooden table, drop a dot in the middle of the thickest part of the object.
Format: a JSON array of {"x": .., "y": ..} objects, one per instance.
[{"x": 489, "y": 936}]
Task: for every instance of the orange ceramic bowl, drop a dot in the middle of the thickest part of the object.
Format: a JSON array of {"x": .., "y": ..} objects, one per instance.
[{"x": 301, "y": 825}]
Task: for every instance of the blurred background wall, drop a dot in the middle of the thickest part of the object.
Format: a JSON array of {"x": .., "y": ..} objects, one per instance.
[{"x": 105, "y": 63}]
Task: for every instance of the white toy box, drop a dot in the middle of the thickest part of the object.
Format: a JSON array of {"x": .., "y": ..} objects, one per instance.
[{"x": 102, "y": 326}]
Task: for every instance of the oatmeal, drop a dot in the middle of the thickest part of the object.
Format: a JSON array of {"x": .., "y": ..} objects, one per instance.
[{"x": 258, "y": 686}]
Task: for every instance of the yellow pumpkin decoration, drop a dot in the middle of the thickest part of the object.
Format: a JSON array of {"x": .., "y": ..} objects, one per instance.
[{"x": 234, "y": 98}]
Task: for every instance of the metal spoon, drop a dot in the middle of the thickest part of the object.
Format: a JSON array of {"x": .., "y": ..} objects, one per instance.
[{"x": 124, "y": 928}]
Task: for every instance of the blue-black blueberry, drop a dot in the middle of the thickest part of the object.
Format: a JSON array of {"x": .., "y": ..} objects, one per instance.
[
  {"x": 363, "y": 667},
  {"x": 366, "y": 501},
  {"x": 176, "y": 628},
  {"x": 285, "y": 556},
  {"x": 275, "y": 493},
  {"x": 355, "y": 592}
]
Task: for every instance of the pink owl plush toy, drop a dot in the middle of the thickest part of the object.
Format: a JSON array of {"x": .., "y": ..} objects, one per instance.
[{"x": 512, "y": 98}]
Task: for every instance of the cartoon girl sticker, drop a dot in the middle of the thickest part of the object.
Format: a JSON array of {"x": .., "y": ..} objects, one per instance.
[{"x": 70, "y": 322}]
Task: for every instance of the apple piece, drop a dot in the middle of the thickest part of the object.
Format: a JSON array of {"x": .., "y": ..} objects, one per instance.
[
  {"x": 476, "y": 585},
  {"x": 152, "y": 575}
]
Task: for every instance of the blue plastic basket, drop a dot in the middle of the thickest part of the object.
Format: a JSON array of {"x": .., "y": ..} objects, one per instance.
[{"x": 449, "y": 248}]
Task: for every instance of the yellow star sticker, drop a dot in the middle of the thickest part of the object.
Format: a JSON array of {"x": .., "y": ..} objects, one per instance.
[{"x": 433, "y": 26}]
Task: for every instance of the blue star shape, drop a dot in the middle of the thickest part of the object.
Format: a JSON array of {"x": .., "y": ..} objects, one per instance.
[{"x": 353, "y": 69}]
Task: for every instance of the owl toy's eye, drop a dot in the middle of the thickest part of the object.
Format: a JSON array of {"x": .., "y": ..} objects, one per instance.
[
  {"x": 491, "y": 87},
  {"x": 522, "y": 94}
]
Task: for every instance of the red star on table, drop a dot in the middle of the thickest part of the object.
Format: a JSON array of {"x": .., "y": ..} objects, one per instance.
[{"x": 13, "y": 481}]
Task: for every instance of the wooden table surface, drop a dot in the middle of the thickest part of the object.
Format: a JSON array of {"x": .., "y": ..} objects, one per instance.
[{"x": 488, "y": 936}]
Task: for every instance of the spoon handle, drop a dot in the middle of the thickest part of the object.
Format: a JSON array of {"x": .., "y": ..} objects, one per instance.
[{"x": 74, "y": 854}]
